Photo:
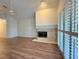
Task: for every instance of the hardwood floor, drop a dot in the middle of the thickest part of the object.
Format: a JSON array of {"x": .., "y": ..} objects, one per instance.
[
  {"x": 4, "y": 48},
  {"x": 25, "y": 48}
]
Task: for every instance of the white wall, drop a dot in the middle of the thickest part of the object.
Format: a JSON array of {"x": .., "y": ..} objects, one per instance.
[
  {"x": 61, "y": 6},
  {"x": 27, "y": 28},
  {"x": 46, "y": 17},
  {"x": 11, "y": 26}
]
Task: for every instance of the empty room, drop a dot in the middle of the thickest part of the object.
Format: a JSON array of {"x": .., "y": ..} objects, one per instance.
[{"x": 38, "y": 29}]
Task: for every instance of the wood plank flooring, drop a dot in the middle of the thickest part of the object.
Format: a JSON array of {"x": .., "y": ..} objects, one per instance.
[
  {"x": 4, "y": 48},
  {"x": 25, "y": 48}
]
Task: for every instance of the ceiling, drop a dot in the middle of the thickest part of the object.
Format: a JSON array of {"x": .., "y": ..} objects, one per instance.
[{"x": 26, "y": 8}]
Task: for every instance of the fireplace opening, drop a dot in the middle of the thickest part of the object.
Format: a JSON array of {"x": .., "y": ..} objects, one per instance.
[{"x": 42, "y": 34}]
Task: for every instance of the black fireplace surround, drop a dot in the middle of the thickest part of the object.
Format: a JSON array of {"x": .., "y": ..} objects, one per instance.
[{"x": 42, "y": 34}]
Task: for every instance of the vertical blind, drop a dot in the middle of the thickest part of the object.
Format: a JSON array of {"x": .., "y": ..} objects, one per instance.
[
  {"x": 67, "y": 46},
  {"x": 60, "y": 40},
  {"x": 67, "y": 15},
  {"x": 68, "y": 30},
  {"x": 60, "y": 34}
]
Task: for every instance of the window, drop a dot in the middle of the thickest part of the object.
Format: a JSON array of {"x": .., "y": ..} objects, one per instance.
[{"x": 68, "y": 29}]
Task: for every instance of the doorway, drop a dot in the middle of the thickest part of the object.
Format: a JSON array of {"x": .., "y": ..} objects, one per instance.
[{"x": 2, "y": 28}]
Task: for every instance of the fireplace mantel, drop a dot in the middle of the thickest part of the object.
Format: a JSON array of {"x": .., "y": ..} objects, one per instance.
[{"x": 46, "y": 26}]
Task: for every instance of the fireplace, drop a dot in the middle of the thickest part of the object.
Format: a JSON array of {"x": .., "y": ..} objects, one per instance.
[{"x": 42, "y": 34}]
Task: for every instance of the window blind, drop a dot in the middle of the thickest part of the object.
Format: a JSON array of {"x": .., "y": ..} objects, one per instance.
[
  {"x": 67, "y": 16},
  {"x": 73, "y": 16},
  {"x": 76, "y": 15},
  {"x": 68, "y": 30},
  {"x": 74, "y": 48},
  {"x": 60, "y": 40},
  {"x": 59, "y": 22},
  {"x": 67, "y": 46}
]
